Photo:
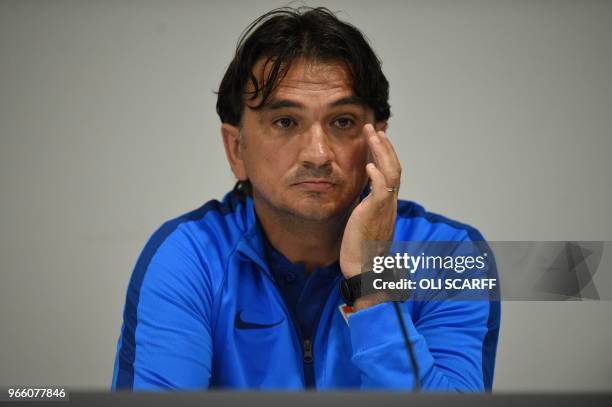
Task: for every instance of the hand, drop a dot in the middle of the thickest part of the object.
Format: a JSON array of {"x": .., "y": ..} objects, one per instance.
[{"x": 374, "y": 218}]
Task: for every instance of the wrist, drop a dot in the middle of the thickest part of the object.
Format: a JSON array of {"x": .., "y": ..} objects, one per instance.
[
  {"x": 370, "y": 300},
  {"x": 360, "y": 291}
]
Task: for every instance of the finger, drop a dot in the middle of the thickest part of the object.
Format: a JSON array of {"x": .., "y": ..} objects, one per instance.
[
  {"x": 379, "y": 142},
  {"x": 390, "y": 153},
  {"x": 383, "y": 152},
  {"x": 387, "y": 142},
  {"x": 377, "y": 148},
  {"x": 392, "y": 167},
  {"x": 384, "y": 156},
  {"x": 379, "y": 183}
]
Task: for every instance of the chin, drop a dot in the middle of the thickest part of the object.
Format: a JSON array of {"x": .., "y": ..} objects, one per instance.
[
  {"x": 313, "y": 215},
  {"x": 317, "y": 211}
]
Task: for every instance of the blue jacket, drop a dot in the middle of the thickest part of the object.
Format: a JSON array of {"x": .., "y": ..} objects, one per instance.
[{"x": 202, "y": 310}]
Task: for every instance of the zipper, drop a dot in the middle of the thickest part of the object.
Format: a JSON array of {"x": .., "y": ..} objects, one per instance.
[
  {"x": 307, "y": 346},
  {"x": 308, "y": 356},
  {"x": 306, "y": 343}
]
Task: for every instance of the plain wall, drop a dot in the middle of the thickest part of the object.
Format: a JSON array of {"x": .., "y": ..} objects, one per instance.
[{"x": 502, "y": 113}]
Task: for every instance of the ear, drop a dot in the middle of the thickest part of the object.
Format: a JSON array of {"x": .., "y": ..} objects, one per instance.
[
  {"x": 233, "y": 150},
  {"x": 382, "y": 125}
]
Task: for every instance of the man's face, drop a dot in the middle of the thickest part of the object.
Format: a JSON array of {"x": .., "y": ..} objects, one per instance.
[{"x": 305, "y": 151}]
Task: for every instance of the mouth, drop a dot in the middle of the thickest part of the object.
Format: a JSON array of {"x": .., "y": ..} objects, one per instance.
[{"x": 315, "y": 185}]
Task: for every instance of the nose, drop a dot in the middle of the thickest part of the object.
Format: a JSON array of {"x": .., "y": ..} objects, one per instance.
[{"x": 316, "y": 149}]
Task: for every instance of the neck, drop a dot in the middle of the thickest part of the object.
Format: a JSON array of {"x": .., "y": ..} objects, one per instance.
[{"x": 311, "y": 242}]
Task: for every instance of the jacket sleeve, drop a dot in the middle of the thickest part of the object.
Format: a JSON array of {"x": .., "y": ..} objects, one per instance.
[
  {"x": 454, "y": 342},
  {"x": 165, "y": 342}
]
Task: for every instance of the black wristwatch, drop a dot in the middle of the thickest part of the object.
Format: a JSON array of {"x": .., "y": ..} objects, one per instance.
[
  {"x": 350, "y": 289},
  {"x": 361, "y": 285}
]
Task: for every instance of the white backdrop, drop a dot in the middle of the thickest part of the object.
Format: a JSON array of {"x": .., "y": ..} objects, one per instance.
[{"x": 501, "y": 116}]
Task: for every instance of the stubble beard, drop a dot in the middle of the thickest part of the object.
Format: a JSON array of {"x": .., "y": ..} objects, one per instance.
[{"x": 308, "y": 213}]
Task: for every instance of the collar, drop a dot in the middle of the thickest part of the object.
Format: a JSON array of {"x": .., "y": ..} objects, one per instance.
[{"x": 251, "y": 245}]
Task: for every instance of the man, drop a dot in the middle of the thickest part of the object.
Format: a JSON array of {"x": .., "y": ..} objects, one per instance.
[{"x": 244, "y": 293}]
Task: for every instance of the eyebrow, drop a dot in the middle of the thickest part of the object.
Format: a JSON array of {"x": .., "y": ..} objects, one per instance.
[
  {"x": 281, "y": 104},
  {"x": 349, "y": 100},
  {"x": 286, "y": 103}
]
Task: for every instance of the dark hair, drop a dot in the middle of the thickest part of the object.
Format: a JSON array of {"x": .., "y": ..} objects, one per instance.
[{"x": 285, "y": 34}]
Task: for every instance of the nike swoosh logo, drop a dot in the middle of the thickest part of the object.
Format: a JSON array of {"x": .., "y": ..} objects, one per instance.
[{"x": 242, "y": 324}]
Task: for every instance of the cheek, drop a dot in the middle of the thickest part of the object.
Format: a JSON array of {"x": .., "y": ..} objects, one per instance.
[
  {"x": 265, "y": 163},
  {"x": 354, "y": 160}
]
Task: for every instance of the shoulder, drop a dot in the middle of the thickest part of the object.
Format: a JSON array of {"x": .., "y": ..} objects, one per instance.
[
  {"x": 414, "y": 222},
  {"x": 194, "y": 245},
  {"x": 214, "y": 223}
]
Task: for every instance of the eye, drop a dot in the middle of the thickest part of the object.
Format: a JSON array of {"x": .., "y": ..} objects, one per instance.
[
  {"x": 344, "y": 122},
  {"x": 284, "y": 122}
]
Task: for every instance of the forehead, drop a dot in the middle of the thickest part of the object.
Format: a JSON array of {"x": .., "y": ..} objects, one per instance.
[{"x": 307, "y": 77}]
